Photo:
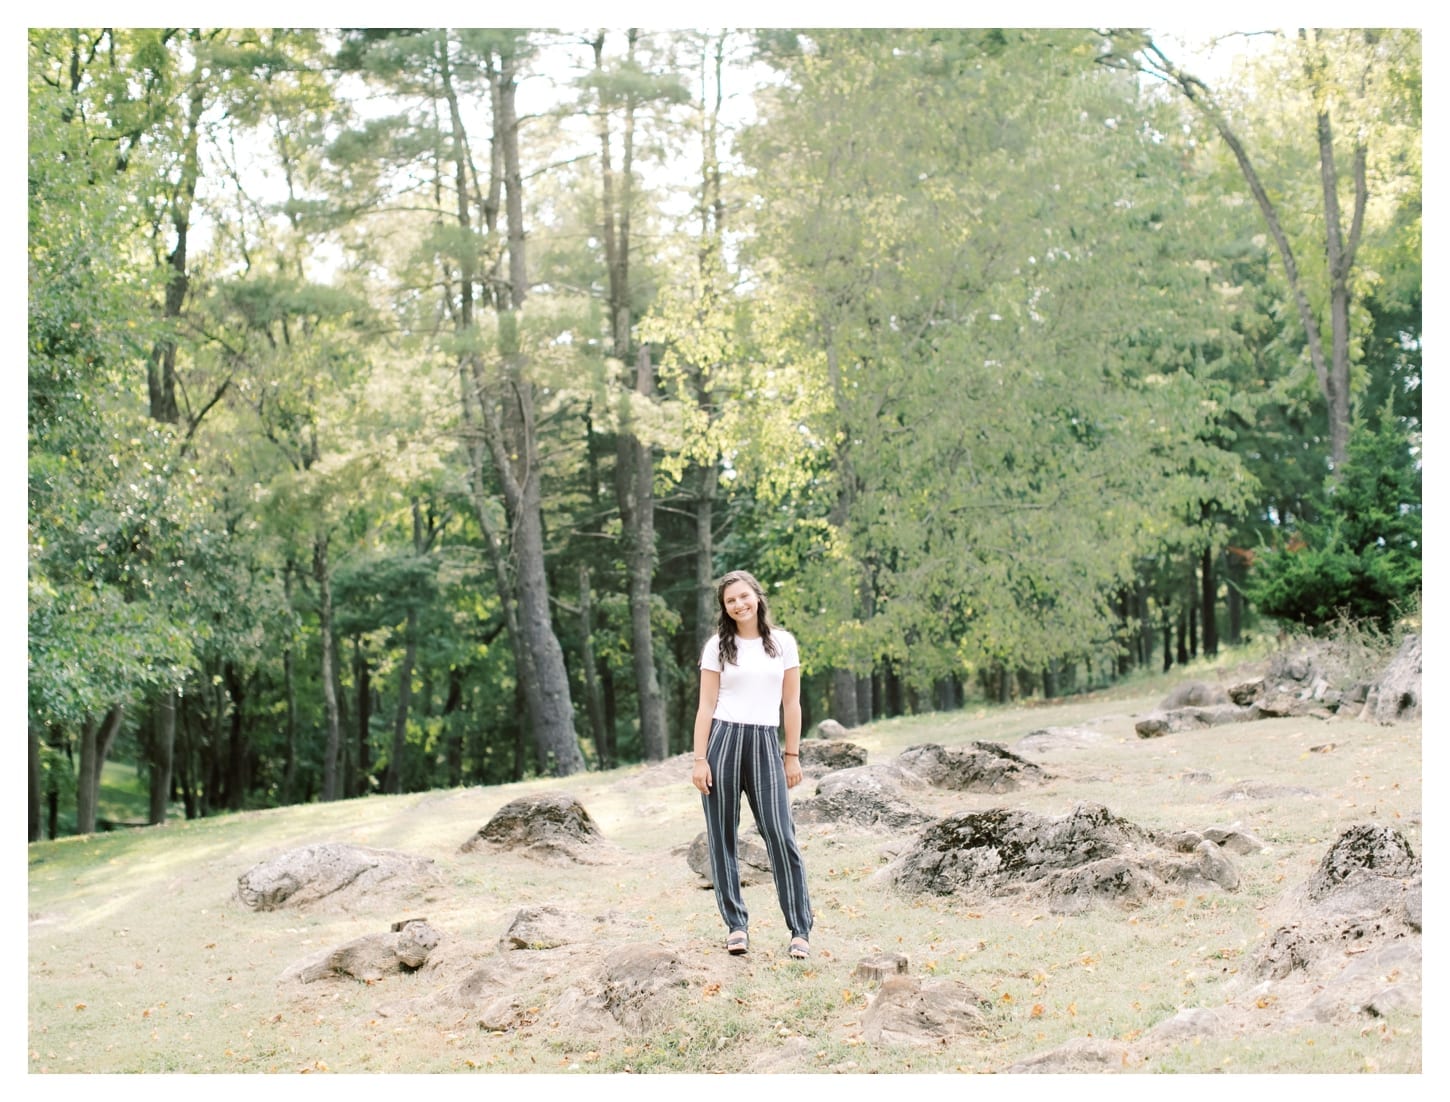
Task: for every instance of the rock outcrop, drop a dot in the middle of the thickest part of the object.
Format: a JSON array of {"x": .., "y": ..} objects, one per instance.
[
  {"x": 1087, "y": 856},
  {"x": 336, "y": 872},
  {"x": 551, "y": 826}
]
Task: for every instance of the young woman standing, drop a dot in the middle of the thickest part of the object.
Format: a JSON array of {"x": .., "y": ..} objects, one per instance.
[{"x": 750, "y": 678}]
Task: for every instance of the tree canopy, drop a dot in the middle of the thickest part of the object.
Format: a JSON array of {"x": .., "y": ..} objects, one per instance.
[{"x": 396, "y": 396}]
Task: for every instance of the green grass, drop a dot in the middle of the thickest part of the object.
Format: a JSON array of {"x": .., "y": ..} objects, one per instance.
[{"x": 142, "y": 960}]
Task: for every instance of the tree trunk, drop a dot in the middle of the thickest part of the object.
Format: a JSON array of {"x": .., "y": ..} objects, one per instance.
[
  {"x": 1191, "y": 599},
  {"x": 1332, "y": 375},
  {"x": 843, "y": 698},
  {"x": 362, "y": 676},
  {"x": 289, "y": 685},
  {"x": 635, "y": 481},
  {"x": 1145, "y": 626},
  {"x": 594, "y": 699},
  {"x": 1234, "y": 576},
  {"x": 161, "y": 372},
  {"x": 96, "y": 739},
  {"x": 34, "y": 798},
  {"x": 236, "y": 780},
  {"x": 1339, "y": 253},
  {"x": 331, "y": 751},
  {"x": 555, "y": 743},
  {"x": 707, "y": 612},
  {"x": 453, "y": 736},
  {"x": 1125, "y": 654},
  {"x": 184, "y": 759},
  {"x": 405, "y": 692},
  {"x": 865, "y": 698},
  {"x": 634, "y": 468},
  {"x": 1210, "y": 600},
  {"x": 1167, "y": 638},
  {"x": 163, "y": 756}
]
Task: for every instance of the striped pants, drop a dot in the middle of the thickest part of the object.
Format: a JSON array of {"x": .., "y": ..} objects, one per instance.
[{"x": 746, "y": 758}]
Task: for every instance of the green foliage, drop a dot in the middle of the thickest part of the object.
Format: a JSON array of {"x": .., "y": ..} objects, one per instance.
[
  {"x": 1361, "y": 558},
  {"x": 972, "y": 339},
  {"x": 1020, "y": 401}
]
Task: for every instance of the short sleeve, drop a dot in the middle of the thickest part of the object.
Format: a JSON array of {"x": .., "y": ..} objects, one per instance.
[
  {"x": 789, "y": 653},
  {"x": 710, "y": 656}
]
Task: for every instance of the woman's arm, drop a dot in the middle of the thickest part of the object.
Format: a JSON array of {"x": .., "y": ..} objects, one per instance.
[
  {"x": 790, "y": 703},
  {"x": 705, "y": 711}
]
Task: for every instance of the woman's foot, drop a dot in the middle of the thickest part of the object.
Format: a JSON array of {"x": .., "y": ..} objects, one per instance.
[
  {"x": 737, "y": 942},
  {"x": 800, "y": 948}
]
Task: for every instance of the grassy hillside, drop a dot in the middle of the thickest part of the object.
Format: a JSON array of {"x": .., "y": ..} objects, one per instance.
[{"x": 141, "y": 958}]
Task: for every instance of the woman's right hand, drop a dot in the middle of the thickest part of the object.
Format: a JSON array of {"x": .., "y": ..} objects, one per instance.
[{"x": 702, "y": 778}]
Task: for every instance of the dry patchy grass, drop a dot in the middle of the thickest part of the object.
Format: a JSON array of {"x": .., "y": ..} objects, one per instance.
[{"x": 141, "y": 959}]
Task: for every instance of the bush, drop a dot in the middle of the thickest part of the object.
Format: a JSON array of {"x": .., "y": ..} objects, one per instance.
[{"x": 1361, "y": 558}]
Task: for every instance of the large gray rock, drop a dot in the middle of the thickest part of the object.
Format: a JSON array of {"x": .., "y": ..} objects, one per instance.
[
  {"x": 1395, "y": 696},
  {"x": 1363, "y": 851},
  {"x": 1194, "y": 694},
  {"x": 909, "y": 1011},
  {"x": 1046, "y": 739},
  {"x": 550, "y": 826},
  {"x": 368, "y": 959},
  {"x": 1366, "y": 892},
  {"x": 884, "y": 778},
  {"x": 976, "y": 767},
  {"x": 1074, "y": 861},
  {"x": 548, "y": 927},
  {"x": 750, "y": 855},
  {"x": 819, "y": 756},
  {"x": 1157, "y": 724},
  {"x": 332, "y": 871},
  {"x": 860, "y": 807},
  {"x": 635, "y": 990}
]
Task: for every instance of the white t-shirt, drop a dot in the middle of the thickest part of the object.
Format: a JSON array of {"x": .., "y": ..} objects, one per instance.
[{"x": 750, "y": 687}]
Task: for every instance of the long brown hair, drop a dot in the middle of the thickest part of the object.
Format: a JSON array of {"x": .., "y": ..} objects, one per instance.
[{"x": 726, "y": 626}]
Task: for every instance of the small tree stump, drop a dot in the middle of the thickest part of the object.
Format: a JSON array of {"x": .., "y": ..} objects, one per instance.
[{"x": 878, "y": 968}]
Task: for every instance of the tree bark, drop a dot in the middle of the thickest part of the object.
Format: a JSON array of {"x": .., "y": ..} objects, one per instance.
[
  {"x": 161, "y": 372},
  {"x": 321, "y": 573},
  {"x": 453, "y": 738},
  {"x": 635, "y": 480},
  {"x": 33, "y": 794},
  {"x": 362, "y": 676},
  {"x": 593, "y": 697},
  {"x": 1191, "y": 600},
  {"x": 555, "y": 742},
  {"x": 706, "y": 611},
  {"x": 634, "y": 463},
  {"x": 1210, "y": 601},
  {"x": 96, "y": 739},
  {"x": 236, "y": 777},
  {"x": 405, "y": 692},
  {"x": 163, "y": 753},
  {"x": 843, "y": 698}
]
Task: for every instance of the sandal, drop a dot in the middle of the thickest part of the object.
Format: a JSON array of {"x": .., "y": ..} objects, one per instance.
[
  {"x": 800, "y": 948},
  {"x": 737, "y": 942}
]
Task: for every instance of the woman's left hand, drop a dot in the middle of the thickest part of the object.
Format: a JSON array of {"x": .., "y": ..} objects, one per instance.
[{"x": 793, "y": 774}]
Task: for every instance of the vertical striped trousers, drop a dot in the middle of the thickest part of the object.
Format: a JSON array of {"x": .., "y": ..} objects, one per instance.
[{"x": 746, "y": 758}]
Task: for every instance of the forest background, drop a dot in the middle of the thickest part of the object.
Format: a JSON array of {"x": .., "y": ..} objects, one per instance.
[{"x": 395, "y": 397}]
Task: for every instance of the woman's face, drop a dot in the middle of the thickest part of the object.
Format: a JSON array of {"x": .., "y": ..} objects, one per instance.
[{"x": 739, "y": 600}]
